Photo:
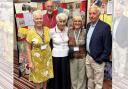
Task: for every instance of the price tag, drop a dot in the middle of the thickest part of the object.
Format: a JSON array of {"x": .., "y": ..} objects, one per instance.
[{"x": 76, "y": 48}]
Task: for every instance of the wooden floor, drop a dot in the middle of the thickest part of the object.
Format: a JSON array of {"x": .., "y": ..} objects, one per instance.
[{"x": 23, "y": 83}]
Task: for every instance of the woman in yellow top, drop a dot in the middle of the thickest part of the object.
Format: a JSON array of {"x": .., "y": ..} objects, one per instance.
[{"x": 39, "y": 52}]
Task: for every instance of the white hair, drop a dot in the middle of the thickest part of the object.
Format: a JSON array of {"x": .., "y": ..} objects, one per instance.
[
  {"x": 61, "y": 16},
  {"x": 98, "y": 8},
  {"x": 36, "y": 12}
]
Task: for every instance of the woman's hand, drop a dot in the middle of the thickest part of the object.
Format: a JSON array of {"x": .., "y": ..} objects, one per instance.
[
  {"x": 72, "y": 41},
  {"x": 30, "y": 65}
]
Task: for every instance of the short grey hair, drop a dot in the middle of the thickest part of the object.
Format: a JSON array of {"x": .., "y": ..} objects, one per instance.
[
  {"x": 37, "y": 12},
  {"x": 61, "y": 16},
  {"x": 98, "y": 8}
]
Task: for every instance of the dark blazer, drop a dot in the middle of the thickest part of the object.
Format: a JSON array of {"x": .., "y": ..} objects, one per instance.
[{"x": 101, "y": 42}]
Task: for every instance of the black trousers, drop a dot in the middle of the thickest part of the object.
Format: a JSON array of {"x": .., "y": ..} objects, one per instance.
[{"x": 61, "y": 69}]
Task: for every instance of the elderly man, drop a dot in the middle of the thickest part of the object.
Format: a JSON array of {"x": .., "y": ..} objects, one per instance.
[
  {"x": 98, "y": 46},
  {"x": 50, "y": 16}
]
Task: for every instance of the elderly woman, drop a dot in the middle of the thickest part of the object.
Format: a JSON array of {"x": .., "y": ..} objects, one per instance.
[
  {"x": 59, "y": 36},
  {"x": 39, "y": 52},
  {"x": 77, "y": 54}
]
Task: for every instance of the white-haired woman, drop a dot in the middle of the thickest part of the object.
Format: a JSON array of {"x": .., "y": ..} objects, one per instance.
[
  {"x": 77, "y": 54},
  {"x": 39, "y": 52},
  {"x": 59, "y": 36}
]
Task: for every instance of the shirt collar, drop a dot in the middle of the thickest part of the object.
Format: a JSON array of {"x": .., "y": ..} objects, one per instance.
[
  {"x": 93, "y": 25},
  {"x": 57, "y": 29}
]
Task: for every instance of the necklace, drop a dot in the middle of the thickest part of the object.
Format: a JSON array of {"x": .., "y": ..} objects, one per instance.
[
  {"x": 77, "y": 36},
  {"x": 61, "y": 34},
  {"x": 40, "y": 33}
]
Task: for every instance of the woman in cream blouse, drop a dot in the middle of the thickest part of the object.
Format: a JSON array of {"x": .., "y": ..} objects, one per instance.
[{"x": 59, "y": 36}]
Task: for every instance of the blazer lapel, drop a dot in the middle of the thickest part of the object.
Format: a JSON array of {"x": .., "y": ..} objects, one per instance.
[{"x": 95, "y": 31}]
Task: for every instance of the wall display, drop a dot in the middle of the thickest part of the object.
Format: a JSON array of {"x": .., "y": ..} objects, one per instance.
[
  {"x": 19, "y": 1},
  {"x": 20, "y": 20},
  {"x": 109, "y": 7},
  {"x": 106, "y": 10},
  {"x": 24, "y": 19},
  {"x": 38, "y": 0},
  {"x": 27, "y": 7},
  {"x": 28, "y": 19},
  {"x": 69, "y": 1}
]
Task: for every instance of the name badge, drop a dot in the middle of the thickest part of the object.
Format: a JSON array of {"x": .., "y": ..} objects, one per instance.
[
  {"x": 43, "y": 47},
  {"x": 76, "y": 48}
]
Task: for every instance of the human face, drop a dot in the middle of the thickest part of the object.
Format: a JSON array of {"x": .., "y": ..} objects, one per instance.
[
  {"x": 93, "y": 14},
  {"x": 38, "y": 19},
  {"x": 77, "y": 23},
  {"x": 61, "y": 24},
  {"x": 49, "y": 7}
]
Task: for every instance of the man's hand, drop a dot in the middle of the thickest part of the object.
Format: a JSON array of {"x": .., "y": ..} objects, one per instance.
[{"x": 99, "y": 61}]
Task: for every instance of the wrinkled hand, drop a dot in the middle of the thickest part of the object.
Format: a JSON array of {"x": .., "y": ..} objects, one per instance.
[
  {"x": 72, "y": 41},
  {"x": 30, "y": 65}
]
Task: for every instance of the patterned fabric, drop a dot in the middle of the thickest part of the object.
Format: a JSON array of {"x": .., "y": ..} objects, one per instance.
[
  {"x": 80, "y": 43},
  {"x": 108, "y": 71},
  {"x": 41, "y": 58}
]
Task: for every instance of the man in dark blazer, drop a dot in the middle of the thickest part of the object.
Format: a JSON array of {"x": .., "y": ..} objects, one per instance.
[{"x": 98, "y": 47}]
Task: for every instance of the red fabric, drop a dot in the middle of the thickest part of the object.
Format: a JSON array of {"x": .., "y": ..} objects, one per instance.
[
  {"x": 19, "y": 39},
  {"x": 43, "y": 6},
  {"x": 50, "y": 22},
  {"x": 63, "y": 5},
  {"x": 19, "y": 15},
  {"x": 55, "y": 12},
  {"x": 83, "y": 5}
]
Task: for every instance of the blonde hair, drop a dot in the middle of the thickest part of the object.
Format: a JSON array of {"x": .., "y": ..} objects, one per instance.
[{"x": 77, "y": 17}]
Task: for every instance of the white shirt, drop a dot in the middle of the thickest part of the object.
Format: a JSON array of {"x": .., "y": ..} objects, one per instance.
[{"x": 60, "y": 42}]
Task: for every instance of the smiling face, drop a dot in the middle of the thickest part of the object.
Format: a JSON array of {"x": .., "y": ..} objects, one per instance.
[
  {"x": 61, "y": 19},
  {"x": 94, "y": 14},
  {"x": 38, "y": 19},
  {"x": 77, "y": 22},
  {"x": 61, "y": 24}
]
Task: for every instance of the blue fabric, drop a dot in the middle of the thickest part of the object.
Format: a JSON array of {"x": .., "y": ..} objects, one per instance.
[
  {"x": 108, "y": 71},
  {"x": 60, "y": 10},
  {"x": 89, "y": 35},
  {"x": 101, "y": 42}
]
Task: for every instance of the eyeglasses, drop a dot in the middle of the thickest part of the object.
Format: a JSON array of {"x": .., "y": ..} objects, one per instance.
[{"x": 77, "y": 21}]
